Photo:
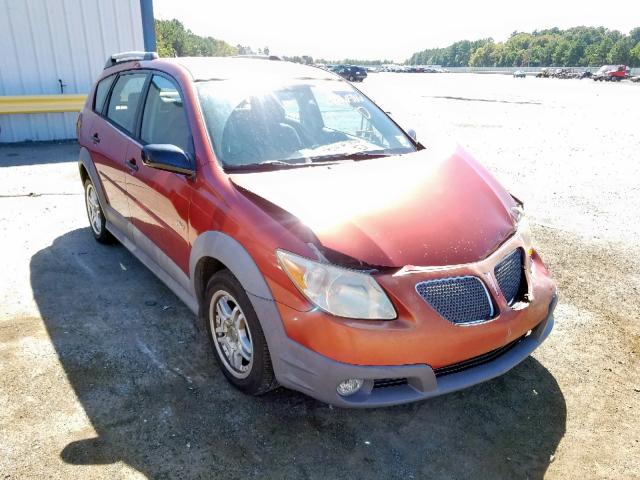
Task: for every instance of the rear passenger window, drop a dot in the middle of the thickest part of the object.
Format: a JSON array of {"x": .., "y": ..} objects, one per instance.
[
  {"x": 124, "y": 100},
  {"x": 164, "y": 119},
  {"x": 101, "y": 93}
]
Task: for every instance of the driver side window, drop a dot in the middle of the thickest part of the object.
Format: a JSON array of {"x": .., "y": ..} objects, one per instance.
[{"x": 164, "y": 119}]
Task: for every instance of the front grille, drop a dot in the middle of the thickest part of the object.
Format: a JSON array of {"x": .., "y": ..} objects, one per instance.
[
  {"x": 458, "y": 299},
  {"x": 389, "y": 382},
  {"x": 476, "y": 361},
  {"x": 510, "y": 275}
]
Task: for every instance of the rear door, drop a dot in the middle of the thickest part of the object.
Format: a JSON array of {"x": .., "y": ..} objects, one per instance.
[
  {"x": 159, "y": 200},
  {"x": 110, "y": 136}
]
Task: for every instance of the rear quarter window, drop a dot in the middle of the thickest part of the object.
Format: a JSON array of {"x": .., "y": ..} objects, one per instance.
[{"x": 102, "y": 90}]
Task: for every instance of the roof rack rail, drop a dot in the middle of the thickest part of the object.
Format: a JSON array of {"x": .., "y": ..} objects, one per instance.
[{"x": 129, "y": 57}]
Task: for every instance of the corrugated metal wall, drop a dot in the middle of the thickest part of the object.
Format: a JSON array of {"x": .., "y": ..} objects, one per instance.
[{"x": 42, "y": 41}]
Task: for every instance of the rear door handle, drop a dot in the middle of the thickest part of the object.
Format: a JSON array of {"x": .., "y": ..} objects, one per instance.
[
  {"x": 132, "y": 164},
  {"x": 96, "y": 138}
]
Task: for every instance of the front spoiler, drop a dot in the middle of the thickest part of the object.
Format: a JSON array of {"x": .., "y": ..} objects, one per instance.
[{"x": 317, "y": 376}]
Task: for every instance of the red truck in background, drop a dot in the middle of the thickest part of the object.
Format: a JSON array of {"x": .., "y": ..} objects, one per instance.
[{"x": 612, "y": 73}]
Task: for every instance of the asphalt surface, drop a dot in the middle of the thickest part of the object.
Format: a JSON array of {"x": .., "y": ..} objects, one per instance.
[{"x": 105, "y": 374}]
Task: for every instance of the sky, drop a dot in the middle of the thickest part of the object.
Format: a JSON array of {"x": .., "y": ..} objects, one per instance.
[{"x": 337, "y": 29}]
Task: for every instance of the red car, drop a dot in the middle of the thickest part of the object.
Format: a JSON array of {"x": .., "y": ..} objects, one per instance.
[
  {"x": 611, "y": 73},
  {"x": 324, "y": 248}
]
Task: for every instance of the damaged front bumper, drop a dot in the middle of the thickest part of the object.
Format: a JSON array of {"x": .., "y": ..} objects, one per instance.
[{"x": 317, "y": 376}]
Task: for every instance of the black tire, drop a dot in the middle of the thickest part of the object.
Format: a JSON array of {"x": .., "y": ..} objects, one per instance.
[
  {"x": 97, "y": 220},
  {"x": 259, "y": 378},
  {"x": 351, "y": 78}
]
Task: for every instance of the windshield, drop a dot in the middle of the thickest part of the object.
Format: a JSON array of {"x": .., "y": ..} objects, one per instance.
[{"x": 296, "y": 122}]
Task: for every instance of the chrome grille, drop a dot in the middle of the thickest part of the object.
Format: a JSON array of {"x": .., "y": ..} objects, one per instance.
[
  {"x": 458, "y": 299},
  {"x": 510, "y": 275}
]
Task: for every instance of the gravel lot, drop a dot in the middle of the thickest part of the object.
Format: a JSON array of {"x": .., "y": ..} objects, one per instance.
[{"x": 105, "y": 374}]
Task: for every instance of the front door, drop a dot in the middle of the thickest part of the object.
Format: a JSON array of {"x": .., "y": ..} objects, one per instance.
[{"x": 158, "y": 200}]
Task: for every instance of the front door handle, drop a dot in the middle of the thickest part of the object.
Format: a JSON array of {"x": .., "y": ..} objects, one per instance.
[
  {"x": 96, "y": 138},
  {"x": 132, "y": 164}
]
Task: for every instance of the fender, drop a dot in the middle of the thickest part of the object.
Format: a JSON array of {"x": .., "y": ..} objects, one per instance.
[
  {"x": 234, "y": 256},
  {"x": 85, "y": 160},
  {"x": 115, "y": 221}
]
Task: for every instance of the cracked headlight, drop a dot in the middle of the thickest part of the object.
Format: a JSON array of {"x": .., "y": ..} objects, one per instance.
[{"x": 338, "y": 291}]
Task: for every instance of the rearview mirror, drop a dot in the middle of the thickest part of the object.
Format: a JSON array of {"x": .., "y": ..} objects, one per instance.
[
  {"x": 412, "y": 133},
  {"x": 167, "y": 157}
]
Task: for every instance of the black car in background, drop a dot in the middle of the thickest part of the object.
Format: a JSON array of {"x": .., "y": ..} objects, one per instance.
[{"x": 350, "y": 72}]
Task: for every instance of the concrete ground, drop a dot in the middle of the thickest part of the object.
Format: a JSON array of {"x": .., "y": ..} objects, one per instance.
[{"x": 105, "y": 374}]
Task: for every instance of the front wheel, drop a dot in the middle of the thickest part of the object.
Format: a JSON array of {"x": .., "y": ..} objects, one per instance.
[
  {"x": 238, "y": 342},
  {"x": 97, "y": 220}
]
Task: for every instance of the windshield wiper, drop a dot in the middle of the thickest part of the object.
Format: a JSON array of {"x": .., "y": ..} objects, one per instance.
[
  {"x": 355, "y": 156},
  {"x": 304, "y": 161},
  {"x": 263, "y": 166}
]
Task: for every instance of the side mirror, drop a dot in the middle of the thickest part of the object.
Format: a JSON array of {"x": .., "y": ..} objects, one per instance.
[
  {"x": 167, "y": 157},
  {"x": 412, "y": 133}
]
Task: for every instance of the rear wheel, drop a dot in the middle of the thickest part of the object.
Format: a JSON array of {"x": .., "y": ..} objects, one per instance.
[
  {"x": 97, "y": 220},
  {"x": 236, "y": 336}
]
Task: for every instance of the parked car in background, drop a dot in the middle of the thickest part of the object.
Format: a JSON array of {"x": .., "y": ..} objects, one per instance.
[
  {"x": 323, "y": 248},
  {"x": 350, "y": 72},
  {"x": 519, "y": 74},
  {"x": 611, "y": 73},
  {"x": 544, "y": 73}
]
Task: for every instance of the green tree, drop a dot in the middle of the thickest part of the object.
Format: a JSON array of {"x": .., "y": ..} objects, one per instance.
[
  {"x": 620, "y": 53},
  {"x": 578, "y": 46},
  {"x": 173, "y": 39},
  {"x": 634, "y": 56}
]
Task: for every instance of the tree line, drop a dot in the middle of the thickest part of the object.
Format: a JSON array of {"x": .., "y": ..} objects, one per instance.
[
  {"x": 578, "y": 46},
  {"x": 174, "y": 40}
]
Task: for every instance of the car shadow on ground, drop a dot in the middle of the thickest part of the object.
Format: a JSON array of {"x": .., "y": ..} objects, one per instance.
[{"x": 145, "y": 375}]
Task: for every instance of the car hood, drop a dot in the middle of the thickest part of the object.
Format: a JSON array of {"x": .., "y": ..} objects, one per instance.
[{"x": 421, "y": 209}]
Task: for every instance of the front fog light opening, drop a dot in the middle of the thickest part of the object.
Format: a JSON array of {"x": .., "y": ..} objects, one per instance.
[{"x": 349, "y": 387}]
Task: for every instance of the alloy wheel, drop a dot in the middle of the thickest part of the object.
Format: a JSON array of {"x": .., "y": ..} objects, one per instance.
[
  {"x": 93, "y": 209},
  {"x": 231, "y": 334}
]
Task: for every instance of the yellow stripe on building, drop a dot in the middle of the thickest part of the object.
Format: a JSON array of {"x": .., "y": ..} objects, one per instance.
[{"x": 41, "y": 104}]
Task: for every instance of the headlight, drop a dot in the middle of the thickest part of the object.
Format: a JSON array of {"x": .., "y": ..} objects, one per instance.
[{"x": 339, "y": 291}]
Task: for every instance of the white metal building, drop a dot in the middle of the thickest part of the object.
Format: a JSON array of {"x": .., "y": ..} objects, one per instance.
[{"x": 60, "y": 46}]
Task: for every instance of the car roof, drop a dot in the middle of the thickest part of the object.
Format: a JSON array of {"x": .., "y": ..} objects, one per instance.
[{"x": 225, "y": 68}]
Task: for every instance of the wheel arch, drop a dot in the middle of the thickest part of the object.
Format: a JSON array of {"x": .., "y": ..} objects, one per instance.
[
  {"x": 87, "y": 169},
  {"x": 213, "y": 251},
  {"x": 205, "y": 268}
]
